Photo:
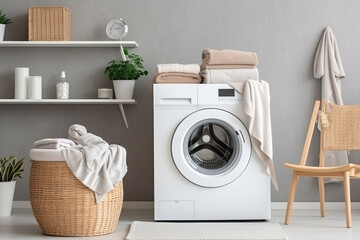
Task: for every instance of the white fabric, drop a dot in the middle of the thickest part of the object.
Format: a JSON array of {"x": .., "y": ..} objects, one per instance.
[
  {"x": 256, "y": 105},
  {"x": 176, "y": 67},
  {"x": 229, "y": 75},
  {"x": 202, "y": 231},
  {"x": 49, "y": 155},
  {"x": 53, "y": 143},
  {"x": 94, "y": 162},
  {"x": 328, "y": 67}
]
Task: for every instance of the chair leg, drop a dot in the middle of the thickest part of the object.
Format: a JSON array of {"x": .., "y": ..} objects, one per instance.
[
  {"x": 322, "y": 196},
  {"x": 291, "y": 198},
  {"x": 347, "y": 198}
]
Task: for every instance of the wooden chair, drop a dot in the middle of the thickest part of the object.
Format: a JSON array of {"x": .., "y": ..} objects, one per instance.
[{"x": 340, "y": 131}]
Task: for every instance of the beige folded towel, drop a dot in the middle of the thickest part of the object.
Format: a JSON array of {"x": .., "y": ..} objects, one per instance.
[
  {"x": 177, "y": 78},
  {"x": 228, "y": 56},
  {"x": 176, "y": 67}
]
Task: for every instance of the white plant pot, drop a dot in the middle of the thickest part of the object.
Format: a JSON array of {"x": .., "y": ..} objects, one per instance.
[
  {"x": 124, "y": 89},
  {"x": 7, "y": 190},
  {"x": 2, "y": 32}
]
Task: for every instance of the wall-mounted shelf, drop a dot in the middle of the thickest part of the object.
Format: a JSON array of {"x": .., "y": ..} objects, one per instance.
[
  {"x": 67, "y": 101},
  {"x": 120, "y": 102},
  {"x": 125, "y": 44},
  {"x": 78, "y": 44}
]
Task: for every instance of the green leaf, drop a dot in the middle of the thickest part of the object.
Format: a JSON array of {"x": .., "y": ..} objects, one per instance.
[
  {"x": 10, "y": 168},
  {"x": 4, "y": 19},
  {"x": 132, "y": 68}
]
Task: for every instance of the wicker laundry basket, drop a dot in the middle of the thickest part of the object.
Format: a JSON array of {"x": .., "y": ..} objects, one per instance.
[{"x": 63, "y": 206}]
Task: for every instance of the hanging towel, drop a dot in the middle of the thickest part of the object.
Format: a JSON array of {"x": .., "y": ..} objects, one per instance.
[
  {"x": 256, "y": 106},
  {"x": 328, "y": 67},
  {"x": 53, "y": 143},
  {"x": 98, "y": 165},
  {"x": 228, "y": 57},
  {"x": 178, "y": 68},
  {"x": 229, "y": 75},
  {"x": 177, "y": 78}
]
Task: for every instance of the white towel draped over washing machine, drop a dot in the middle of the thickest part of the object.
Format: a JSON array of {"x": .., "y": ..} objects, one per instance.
[{"x": 256, "y": 105}]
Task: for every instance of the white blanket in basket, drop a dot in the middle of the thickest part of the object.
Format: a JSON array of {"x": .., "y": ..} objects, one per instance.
[{"x": 94, "y": 162}]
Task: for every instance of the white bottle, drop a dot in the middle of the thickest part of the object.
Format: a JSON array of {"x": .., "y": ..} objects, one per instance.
[{"x": 62, "y": 87}]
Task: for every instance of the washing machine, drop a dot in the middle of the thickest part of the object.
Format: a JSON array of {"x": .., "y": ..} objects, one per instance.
[{"x": 205, "y": 168}]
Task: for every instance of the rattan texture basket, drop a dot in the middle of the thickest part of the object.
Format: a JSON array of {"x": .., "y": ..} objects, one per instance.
[
  {"x": 49, "y": 23},
  {"x": 343, "y": 131},
  {"x": 63, "y": 206}
]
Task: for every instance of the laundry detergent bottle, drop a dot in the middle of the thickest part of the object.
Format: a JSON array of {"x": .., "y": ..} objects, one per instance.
[{"x": 62, "y": 87}]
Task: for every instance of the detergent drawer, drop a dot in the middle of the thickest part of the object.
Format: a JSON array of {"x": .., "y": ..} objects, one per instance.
[{"x": 175, "y": 95}]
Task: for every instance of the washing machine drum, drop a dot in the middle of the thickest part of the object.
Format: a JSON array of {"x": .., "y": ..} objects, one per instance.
[{"x": 211, "y": 147}]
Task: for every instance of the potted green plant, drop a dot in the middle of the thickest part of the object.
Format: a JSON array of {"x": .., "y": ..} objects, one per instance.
[
  {"x": 10, "y": 169},
  {"x": 124, "y": 73},
  {"x": 3, "y": 21}
]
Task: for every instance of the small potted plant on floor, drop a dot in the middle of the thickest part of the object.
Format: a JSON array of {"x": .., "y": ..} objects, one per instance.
[
  {"x": 3, "y": 21},
  {"x": 124, "y": 73},
  {"x": 10, "y": 168}
]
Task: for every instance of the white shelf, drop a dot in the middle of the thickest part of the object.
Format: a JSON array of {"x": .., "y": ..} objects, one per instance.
[
  {"x": 125, "y": 44},
  {"x": 95, "y": 44},
  {"x": 120, "y": 102},
  {"x": 68, "y": 101}
]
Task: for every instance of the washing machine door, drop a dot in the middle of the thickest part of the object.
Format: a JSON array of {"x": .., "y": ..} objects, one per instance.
[{"x": 211, "y": 147}]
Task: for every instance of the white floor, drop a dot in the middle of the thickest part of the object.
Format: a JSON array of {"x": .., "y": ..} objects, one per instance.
[{"x": 305, "y": 225}]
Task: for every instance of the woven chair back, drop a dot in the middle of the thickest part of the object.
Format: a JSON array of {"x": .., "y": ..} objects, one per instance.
[{"x": 343, "y": 130}]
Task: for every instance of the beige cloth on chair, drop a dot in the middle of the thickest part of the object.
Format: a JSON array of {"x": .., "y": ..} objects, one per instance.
[{"x": 329, "y": 68}]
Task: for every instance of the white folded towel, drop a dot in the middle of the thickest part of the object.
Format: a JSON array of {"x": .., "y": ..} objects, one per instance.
[
  {"x": 53, "y": 143},
  {"x": 98, "y": 165},
  {"x": 176, "y": 67},
  {"x": 229, "y": 75}
]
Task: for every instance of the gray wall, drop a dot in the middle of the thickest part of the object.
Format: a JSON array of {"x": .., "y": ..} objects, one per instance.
[{"x": 284, "y": 34}]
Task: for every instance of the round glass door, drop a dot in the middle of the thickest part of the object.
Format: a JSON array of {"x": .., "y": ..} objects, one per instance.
[{"x": 211, "y": 147}]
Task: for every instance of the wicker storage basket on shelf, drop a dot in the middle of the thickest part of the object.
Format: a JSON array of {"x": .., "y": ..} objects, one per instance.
[
  {"x": 63, "y": 206},
  {"x": 49, "y": 23}
]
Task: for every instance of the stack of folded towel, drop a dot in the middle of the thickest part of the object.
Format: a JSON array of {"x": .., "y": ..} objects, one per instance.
[
  {"x": 177, "y": 73},
  {"x": 220, "y": 66}
]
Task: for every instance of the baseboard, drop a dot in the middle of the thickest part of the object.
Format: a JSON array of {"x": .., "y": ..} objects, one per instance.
[
  {"x": 274, "y": 205},
  {"x": 313, "y": 205}
]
